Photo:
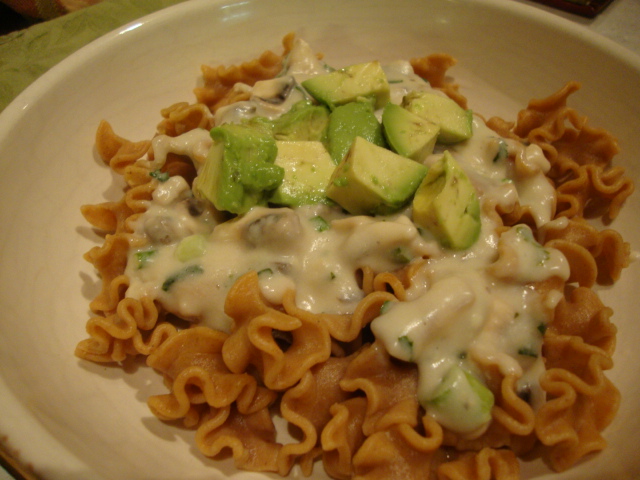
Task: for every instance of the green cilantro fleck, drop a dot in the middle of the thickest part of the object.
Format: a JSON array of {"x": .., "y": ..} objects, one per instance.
[
  {"x": 159, "y": 175},
  {"x": 185, "y": 272}
]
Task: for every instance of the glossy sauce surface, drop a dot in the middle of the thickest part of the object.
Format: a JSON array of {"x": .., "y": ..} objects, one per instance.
[{"x": 473, "y": 309}]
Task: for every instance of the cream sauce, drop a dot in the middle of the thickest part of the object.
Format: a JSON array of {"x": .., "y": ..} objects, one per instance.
[
  {"x": 195, "y": 144},
  {"x": 285, "y": 246},
  {"x": 475, "y": 309}
]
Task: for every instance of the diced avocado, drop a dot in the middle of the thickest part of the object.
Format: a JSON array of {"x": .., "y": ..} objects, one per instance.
[
  {"x": 304, "y": 121},
  {"x": 373, "y": 180},
  {"x": 348, "y": 121},
  {"x": 408, "y": 134},
  {"x": 191, "y": 247},
  {"x": 456, "y": 123},
  {"x": 307, "y": 170},
  {"x": 239, "y": 172},
  {"x": 361, "y": 81},
  {"x": 260, "y": 124},
  {"x": 446, "y": 204},
  {"x": 461, "y": 402}
]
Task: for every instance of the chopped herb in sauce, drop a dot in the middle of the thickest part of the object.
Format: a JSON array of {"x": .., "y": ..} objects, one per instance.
[
  {"x": 159, "y": 175},
  {"x": 527, "y": 352},
  {"x": 143, "y": 258},
  {"x": 181, "y": 275}
]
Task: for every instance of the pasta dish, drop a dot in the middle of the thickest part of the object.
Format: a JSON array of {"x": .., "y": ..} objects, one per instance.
[{"x": 356, "y": 254}]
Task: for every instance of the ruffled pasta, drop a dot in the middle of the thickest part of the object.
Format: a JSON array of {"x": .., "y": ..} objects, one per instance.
[
  {"x": 433, "y": 68},
  {"x": 191, "y": 362},
  {"x": 183, "y": 117},
  {"x": 307, "y": 406},
  {"x": 218, "y": 82},
  {"x": 122, "y": 326},
  {"x": 582, "y": 401},
  {"x": 253, "y": 342},
  {"x": 343, "y": 436},
  {"x": 580, "y": 155},
  {"x": 487, "y": 464},
  {"x": 594, "y": 256},
  {"x": 346, "y": 403},
  {"x": 390, "y": 388},
  {"x": 580, "y": 342},
  {"x": 116, "y": 151},
  {"x": 250, "y": 438}
]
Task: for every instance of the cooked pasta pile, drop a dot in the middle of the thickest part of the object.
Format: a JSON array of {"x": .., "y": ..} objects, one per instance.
[{"x": 349, "y": 404}]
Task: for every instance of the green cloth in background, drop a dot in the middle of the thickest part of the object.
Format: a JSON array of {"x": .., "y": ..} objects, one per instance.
[{"x": 27, "y": 54}]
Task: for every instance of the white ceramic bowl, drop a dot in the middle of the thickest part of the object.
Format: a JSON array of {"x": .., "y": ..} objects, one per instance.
[{"x": 71, "y": 419}]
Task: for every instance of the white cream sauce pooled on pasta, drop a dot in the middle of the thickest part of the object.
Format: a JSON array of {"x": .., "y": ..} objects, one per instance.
[
  {"x": 477, "y": 309},
  {"x": 288, "y": 250}
]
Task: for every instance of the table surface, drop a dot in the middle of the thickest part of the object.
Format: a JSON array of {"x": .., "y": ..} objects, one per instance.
[{"x": 620, "y": 22}]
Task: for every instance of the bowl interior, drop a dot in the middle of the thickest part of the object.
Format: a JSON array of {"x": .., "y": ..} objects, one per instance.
[{"x": 72, "y": 419}]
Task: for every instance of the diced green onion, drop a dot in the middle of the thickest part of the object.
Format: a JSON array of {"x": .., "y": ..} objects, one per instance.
[{"x": 191, "y": 247}]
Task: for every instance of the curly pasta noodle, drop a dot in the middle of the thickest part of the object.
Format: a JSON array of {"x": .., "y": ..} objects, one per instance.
[
  {"x": 345, "y": 400},
  {"x": 580, "y": 155},
  {"x": 218, "y": 90}
]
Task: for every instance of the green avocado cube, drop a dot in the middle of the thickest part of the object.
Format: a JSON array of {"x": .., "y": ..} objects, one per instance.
[
  {"x": 372, "y": 180},
  {"x": 446, "y": 203},
  {"x": 361, "y": 81},
  {"x": 307, "y": 169},
  {"x": 461, "y": 403},
  {"x": 239, "y": 172},
  {"x": 304, "y": 121},
  {"x": 348, "y": 121},
  {"x": 456, "y": 123},
  {"x": 408, "y": 134}
]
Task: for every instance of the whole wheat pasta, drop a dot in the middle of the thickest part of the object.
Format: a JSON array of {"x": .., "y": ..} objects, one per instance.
[{"x": 350, "y": 404}]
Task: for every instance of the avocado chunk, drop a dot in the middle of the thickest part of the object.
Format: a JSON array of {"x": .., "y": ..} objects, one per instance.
[
  {"x": 461, "y": 402},
  {"x": 408, "y": 134},
  {"x": 304, "y": 121},
  {"x": 346, "y": 122},
  {"x": 455, "y": 122},
  {"x": 372, "y": 180},
  {"x": 307, "y": 170},
  {"x": 360, "y": 81},
  {"x": 447, "y": 205},
  {"x": 239, "y": 172}
]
